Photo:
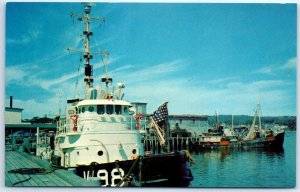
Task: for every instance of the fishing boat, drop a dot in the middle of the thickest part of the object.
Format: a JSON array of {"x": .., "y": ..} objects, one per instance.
[
  {"x": 215, "y": 138},
  {"x": 98, "y": 138},
  {"x": 258, "y": 137}
]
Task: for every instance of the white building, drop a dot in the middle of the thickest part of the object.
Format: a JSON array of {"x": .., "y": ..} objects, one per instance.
[{"x": 13, "y": 115}]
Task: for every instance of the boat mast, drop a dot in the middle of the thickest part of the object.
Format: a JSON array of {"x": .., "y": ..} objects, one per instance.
[
  {"x": 259, "y": 117},
  {"x": 217, "y": 120},
  {"x": 88, "y": 68}
]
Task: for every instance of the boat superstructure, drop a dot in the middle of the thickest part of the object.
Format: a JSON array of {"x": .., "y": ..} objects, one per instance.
[{"x": 100, "y": 128}]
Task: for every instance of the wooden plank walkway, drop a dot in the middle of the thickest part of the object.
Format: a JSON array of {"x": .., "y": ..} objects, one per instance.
[{"x": 56, "y": 178}]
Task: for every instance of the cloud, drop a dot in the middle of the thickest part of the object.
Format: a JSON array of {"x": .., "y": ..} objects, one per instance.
[
  {"x": 256, "y": 85},
  {"x": 15, "y": 73},
  {"x": 30, "y": 36},
  {"x": 290, "y": 64},
  {"x": 222, "y": 80},
  {"x": 273, "y": 69},
  {"x": 266, "y": 70},
  {"x": 233, "y": 98},
  {"x": 154, "y": 72},
  {"x": 166, "y": 81},
  {"x": 27, "y": 73},
  {"x": 32, "y": 107}
]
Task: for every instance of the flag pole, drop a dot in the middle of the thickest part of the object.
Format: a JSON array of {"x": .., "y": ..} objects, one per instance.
[
  {"x": 167, "y": 131},
  {"x": 159, "y": 132}
]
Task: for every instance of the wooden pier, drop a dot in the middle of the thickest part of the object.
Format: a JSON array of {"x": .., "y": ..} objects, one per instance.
[
  {"x": 151, "y": 144},
  {"x": 51, "y": 178}
]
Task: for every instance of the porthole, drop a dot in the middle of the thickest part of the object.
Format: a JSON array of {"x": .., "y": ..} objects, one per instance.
[
  {"x": 133, "y": 151},
  {"x": 91, "y": 108},
  {"x": 100, "y": 153}
]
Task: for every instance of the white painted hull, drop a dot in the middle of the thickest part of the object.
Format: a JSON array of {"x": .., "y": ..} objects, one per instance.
[{"x": 99, "y": 147}]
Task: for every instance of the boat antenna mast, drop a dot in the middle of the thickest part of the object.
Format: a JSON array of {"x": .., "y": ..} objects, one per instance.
[{"x": 87, "y": 54}]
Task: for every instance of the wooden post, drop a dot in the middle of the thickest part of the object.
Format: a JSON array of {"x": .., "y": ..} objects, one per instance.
[{"x": 37, "y": 139}]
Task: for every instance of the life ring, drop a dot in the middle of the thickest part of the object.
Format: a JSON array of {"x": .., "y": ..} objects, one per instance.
[
  {"x": 137, "y": 118},
  {"x": 74, "y": 118}
]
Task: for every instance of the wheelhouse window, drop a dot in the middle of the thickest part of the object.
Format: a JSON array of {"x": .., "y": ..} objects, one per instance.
[
  {"x": 83, "y": 109},
  {"x": 109, "y": 109},
  {"x": 118, "y": 109},
  {"x": 125, "y": 109},
  {"x": 100, "y": 109}
]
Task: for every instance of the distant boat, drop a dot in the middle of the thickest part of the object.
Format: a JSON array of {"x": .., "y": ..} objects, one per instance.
[
  {"x": 99, "y": 138},
  {"x": 258, "y": 137},
  {"x": 214, "y": 138}
]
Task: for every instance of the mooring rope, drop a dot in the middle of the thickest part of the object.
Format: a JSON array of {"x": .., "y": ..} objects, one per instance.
[
  {"x": 130, "y": 170},
  {"x": 29, "y": 171}
]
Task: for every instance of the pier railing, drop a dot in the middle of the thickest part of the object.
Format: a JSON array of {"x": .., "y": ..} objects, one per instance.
[{"x": 151, "y": 144}]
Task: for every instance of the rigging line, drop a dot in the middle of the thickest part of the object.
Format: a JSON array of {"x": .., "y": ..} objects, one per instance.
[
  {"x": 104, "y": 67},
  {"x": 102, "y": 58},
  {"x": 78, "y": 72}
]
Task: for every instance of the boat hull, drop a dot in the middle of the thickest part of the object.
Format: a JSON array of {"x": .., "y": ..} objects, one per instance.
[
  {"x": 276, "y": 143},
  {"x": 169, "y": 170},
  {"x": 279, "y": 139}
]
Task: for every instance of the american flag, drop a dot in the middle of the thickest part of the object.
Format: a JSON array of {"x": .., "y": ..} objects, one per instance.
[{"x": 161, "y": 114}]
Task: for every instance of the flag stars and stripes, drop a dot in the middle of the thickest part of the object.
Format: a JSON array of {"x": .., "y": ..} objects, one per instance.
[{"x": 161, "y": 114}]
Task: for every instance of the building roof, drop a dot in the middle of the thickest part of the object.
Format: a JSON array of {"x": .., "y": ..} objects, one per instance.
[
  {"x": 31, "y": 126},
  {"x": 188, "y": 116},
  {"x": 12, "y": 109},
  {"x": 103, "y": 102},
  {"x": 137, "y": 103}
]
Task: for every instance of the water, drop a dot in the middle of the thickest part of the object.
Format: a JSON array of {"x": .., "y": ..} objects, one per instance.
[{"x": 247, "y": 168}]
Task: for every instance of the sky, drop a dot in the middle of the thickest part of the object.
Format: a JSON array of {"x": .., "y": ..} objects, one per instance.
[{"x": 199, "y": 57}]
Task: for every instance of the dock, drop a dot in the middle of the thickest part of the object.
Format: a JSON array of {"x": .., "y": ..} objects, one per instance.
[{"x": 52, "y": 177}]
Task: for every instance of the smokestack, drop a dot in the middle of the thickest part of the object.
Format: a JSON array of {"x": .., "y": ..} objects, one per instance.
[{"x": 11, "y": 101}]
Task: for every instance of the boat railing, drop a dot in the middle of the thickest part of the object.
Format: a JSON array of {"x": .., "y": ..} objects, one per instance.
[{"x": 61, "y": 126}]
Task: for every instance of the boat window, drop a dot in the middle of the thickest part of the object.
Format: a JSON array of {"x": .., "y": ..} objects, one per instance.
[
  {"x": 83, "y": 109},
  {"x": 109, "y": 109},
  {"x": 125, "y": 109},
  {"x": 118, "y": 109},
  {"x": 71, "y": 112},
  {"x": 100, "y": 109},
  {"x": 79, "y": 110},
  {"x": 91, "y": 108}
]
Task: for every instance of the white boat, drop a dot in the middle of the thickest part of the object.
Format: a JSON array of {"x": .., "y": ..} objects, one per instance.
[{"x": 98, "y": 137}]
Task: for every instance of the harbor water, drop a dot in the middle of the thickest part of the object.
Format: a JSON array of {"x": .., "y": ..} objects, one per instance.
[{"x": 257, "y": 168}]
